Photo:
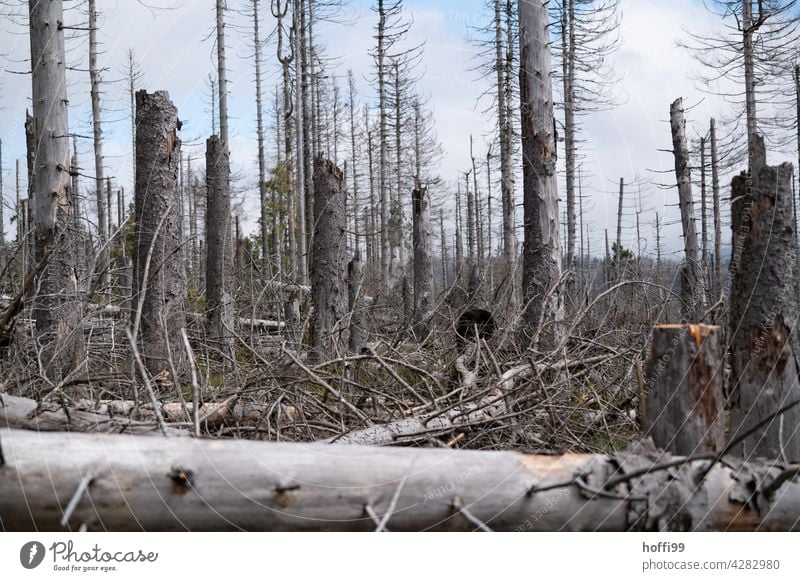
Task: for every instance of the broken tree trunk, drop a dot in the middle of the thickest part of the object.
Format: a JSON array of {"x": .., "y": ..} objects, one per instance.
[
  {"x": 355, "y": 303},
  {"x": 423, "y": 260},
  {"x": 541, "y": 258},
  {"x": 764, "y": 311},
  {"x": 219, "y": 245},
  {"x": 159, "y": 277},
  {"x": 164, "y": 484},
  {"x": 328, "y": 267},
  {"x": 692, "y": 284},
  {"x": 56, "y": 307},
  {"x": 683, "y": 397}
]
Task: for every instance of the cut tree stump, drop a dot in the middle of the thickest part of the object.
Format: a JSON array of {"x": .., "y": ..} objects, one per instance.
[
  {"x": 682, "y": 405},
  {"x": 170, "y": 484}
]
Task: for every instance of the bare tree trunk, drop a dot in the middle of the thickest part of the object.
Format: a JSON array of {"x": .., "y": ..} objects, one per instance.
[
  {"x": 618, "y": 250},
  {"x": 262, "y": 162},
  {"x": 222, "y": 76},
  {"x": 692, "y": 292},
  {"x": 763, "y": 311},
  {"x": 330, "y": 487},
  {"x": 355, "y": 303},
  {"x": 568, "y": 65},
  {"x": 542, "y": 249},
  {"x": 444, "y": 249},
  {"x": 682, "y": 404},
  {"x": 301, "y": 148},
  {"x": 57, "y": 309},
  {"x": 703, "y": 216},
  {"x": 2, "y": 206},
  {"x": 102, "y": 208},
  {"x": 219, "y": 248},
  {"x": 328, "y": 270},
  {"x": 384, "y": 144},
  {"x": 748, "y": 28},
  {"x": 717, "y": 219},
  {"x": 506, "y": 182},
  {"x": 306, "y": 116},
  {"x": 292, "y": 203},
  {"x": 159, "y": 278},
  {"x": 423, "y": 260}
]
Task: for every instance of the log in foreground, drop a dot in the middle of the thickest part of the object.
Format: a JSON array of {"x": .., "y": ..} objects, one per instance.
[{"x": 163, "y": 484}]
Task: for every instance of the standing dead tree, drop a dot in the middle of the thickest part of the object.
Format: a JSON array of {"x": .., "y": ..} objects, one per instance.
[
  {"x": 159, "y": 277},
  {"x": 692, "y": 287},
  {"x": 541, "y": 269},
  {"x": 763, "y": 310},
  {"x": 423, "y": 259},
  {"x": 328, "y": 269},
  {"x": 57, "y": 310},
  {"x": 219, "y": 245}
]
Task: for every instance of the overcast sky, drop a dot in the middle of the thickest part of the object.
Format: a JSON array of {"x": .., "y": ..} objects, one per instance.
[{"x": 175, "y": 52}]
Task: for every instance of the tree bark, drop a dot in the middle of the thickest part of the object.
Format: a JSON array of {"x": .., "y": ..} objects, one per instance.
[
  {"x": 355, "y": 303},
  {"x": 159, "y": 277},
  {"x": 717, "y": 219},
  {"x": 683, "y": 399},
  {"x": 692, "y": 288},
  {"x": 247, "y": 485},
  {"x": 328, "y": 269},
  {"x": 97, "y": 132},
  {"x": 542, "y": 248},
  {"x": 506, "y": 182},
  {"x": 423, "y": 259},
  {"x": 764, "y": 310},
  {"x": 219, "y": 246},
  {"x": 57, "y": 308}
]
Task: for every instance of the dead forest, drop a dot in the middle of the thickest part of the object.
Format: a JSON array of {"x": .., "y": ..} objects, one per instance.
[{"x": 389, "y": 348}]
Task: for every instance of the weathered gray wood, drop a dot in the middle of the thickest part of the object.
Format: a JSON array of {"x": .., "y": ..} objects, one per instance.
[
  {"x": 683, "y": 402},
  {"x": 355, "y": 303},
  {"x": 717, "y": 219},
  {"x": 159, "y": 277},
  {"x": 423, "y": 259},
  {"x": 57, "y": 309},
  {"x": 692, "y": 287},
  {"x": 24, "y": 413},
  {"x": 182, "y": 483},
  {"x": 219, "y": 245},
  {"x": 328, "y": 265},
  {"x": 764, "y": 310},
  {"x": 541, "y": 257}
]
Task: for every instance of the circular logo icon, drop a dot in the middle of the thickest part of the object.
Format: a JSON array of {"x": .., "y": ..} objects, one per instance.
[{"x": 31, "y": 554}]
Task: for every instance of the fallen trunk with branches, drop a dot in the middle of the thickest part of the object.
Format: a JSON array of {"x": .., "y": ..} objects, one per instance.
[{"x": 125, "y": 482}]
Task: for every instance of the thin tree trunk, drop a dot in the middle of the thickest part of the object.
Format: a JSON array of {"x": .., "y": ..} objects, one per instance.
[
  {"x": 301, "y": 149},
  {"x": 717, "y": 219},
  {"x": 355, "y": 303},
  {"x": 748, "y": 29},
  {"x": 703, "y": 214},
  {"x": 328, "y": 269},
  {"x": 618, "y": 267},
  {"x": 506, "y": 182},
  {"x": 262, "y": 162},
  {"x": 423, "y": 259},
  {"x": 159, "y": 278},
  {"x": 692, "y": 293},
  {"x": 542, "y": 250},
  {"x": 222, "y": 76},
  {"x": 219, "y": 248},
  {"x": 763, "y": 310},
  {"x": 383, "y": 139},
  {"x": 568, "y": 65}
]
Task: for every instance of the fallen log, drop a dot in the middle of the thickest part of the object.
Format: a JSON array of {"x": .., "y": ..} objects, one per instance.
[
  {"x": 122, "y": 482},
  {"x": 24, "y": 413}
]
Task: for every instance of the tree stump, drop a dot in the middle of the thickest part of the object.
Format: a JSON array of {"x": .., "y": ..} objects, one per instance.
[
  {"x": 682, "y": 401},
  {"x": 763, "y": 311}
]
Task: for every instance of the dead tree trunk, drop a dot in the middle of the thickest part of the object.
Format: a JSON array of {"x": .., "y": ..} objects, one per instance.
[
  {"x": 159, "y": 278},
  {"x": 328, "y": 292},
  {"x": 102, "y": 225},
  {"x": 541, "y": 269},
  {"x": 717, "y": 219},
  {"x": 247, "y": 485},
  {"x": 692, "y": 293},
  {"x": 764, "y": 310},
  {"x": 506, "y": 181},
  {"x": 683, "y": 397},
  {"x": 57, "y": 310},
  {"x": 355, "y": 303},
  {"x": 219, "y": 246},
  {"x": 423, "y": 260}
]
